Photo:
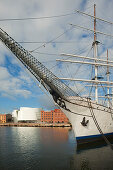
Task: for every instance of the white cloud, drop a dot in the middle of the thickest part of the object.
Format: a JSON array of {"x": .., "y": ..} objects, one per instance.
[{"x": 11, "y": 86}]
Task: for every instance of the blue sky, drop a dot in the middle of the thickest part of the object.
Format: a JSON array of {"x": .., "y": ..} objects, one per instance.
[{"x": 17, "y": 87}]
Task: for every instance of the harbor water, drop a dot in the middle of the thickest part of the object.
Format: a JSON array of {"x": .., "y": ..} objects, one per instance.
[{"x": 40, "y": 148}]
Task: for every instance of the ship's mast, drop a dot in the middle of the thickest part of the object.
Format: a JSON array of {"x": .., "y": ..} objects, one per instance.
[
  {"x": 107, "y": 78},
  {"x": 95, "y": 43}
]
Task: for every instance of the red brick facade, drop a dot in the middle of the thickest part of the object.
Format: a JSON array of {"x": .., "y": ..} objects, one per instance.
[
  {"x": 54, "y": 116},
  {"x": 2, "y": 118},
  {"x": 5, "y": 118}
]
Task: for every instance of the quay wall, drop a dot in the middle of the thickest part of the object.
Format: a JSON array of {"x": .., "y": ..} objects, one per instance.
[{"x": 36, "y": 124}]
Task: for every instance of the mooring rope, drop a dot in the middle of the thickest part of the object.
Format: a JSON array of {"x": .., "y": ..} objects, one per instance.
[{"x": 97, "y": 125}]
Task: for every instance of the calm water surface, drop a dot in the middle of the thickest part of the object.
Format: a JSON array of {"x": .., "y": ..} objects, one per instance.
[{"x": 33, "y": 148}]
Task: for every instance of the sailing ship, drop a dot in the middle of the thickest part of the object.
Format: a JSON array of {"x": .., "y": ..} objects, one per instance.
[{"x": 90, "y": 120}]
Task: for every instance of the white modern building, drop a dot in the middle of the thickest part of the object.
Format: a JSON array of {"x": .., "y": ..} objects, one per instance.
[
  {"x": 27, "y": 114},
  {"x": 15, "y": 116}
]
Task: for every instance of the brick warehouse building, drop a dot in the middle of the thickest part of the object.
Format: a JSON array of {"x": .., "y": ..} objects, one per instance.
[
  {"x": 54, "y": 116},
  {"x": 2, "y": 118}
]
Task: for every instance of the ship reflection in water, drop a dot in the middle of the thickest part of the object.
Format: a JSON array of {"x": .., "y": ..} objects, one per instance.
[{"x": 48, "y": 149}]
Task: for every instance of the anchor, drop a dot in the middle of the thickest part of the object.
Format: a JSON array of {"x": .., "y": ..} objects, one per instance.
[{"x": 84, "y": 122}]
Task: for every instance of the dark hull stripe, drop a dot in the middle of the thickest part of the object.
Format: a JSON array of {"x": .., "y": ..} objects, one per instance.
[{"x": 93, "y": 138}]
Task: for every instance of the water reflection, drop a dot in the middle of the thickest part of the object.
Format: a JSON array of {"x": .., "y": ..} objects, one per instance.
[
  {"x": 54, "y": 135},
  {"x": 48, "y": 149},
  {"x": 94, "y": 159},
  {"x": 34, "y": 148},
  {"x": 27, "y": 139},
  {"x": 19, "y": 147}
]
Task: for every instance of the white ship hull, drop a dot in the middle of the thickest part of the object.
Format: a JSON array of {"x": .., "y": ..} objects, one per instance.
[{"x": 76, "y": 110}]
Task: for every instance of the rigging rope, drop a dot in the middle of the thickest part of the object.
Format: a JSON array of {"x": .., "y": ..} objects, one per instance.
[
  {"x": 108, "y": 101},
  {"x": 52, "y": 39},
  {"x": 36, "y": 18},
  {"x": 97, "y": 125}
]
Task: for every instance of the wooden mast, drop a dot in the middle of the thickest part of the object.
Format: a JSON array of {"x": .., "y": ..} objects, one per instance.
[
  {"x": 108, "y": 79},
  {"x": 95, "y": 55}
]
